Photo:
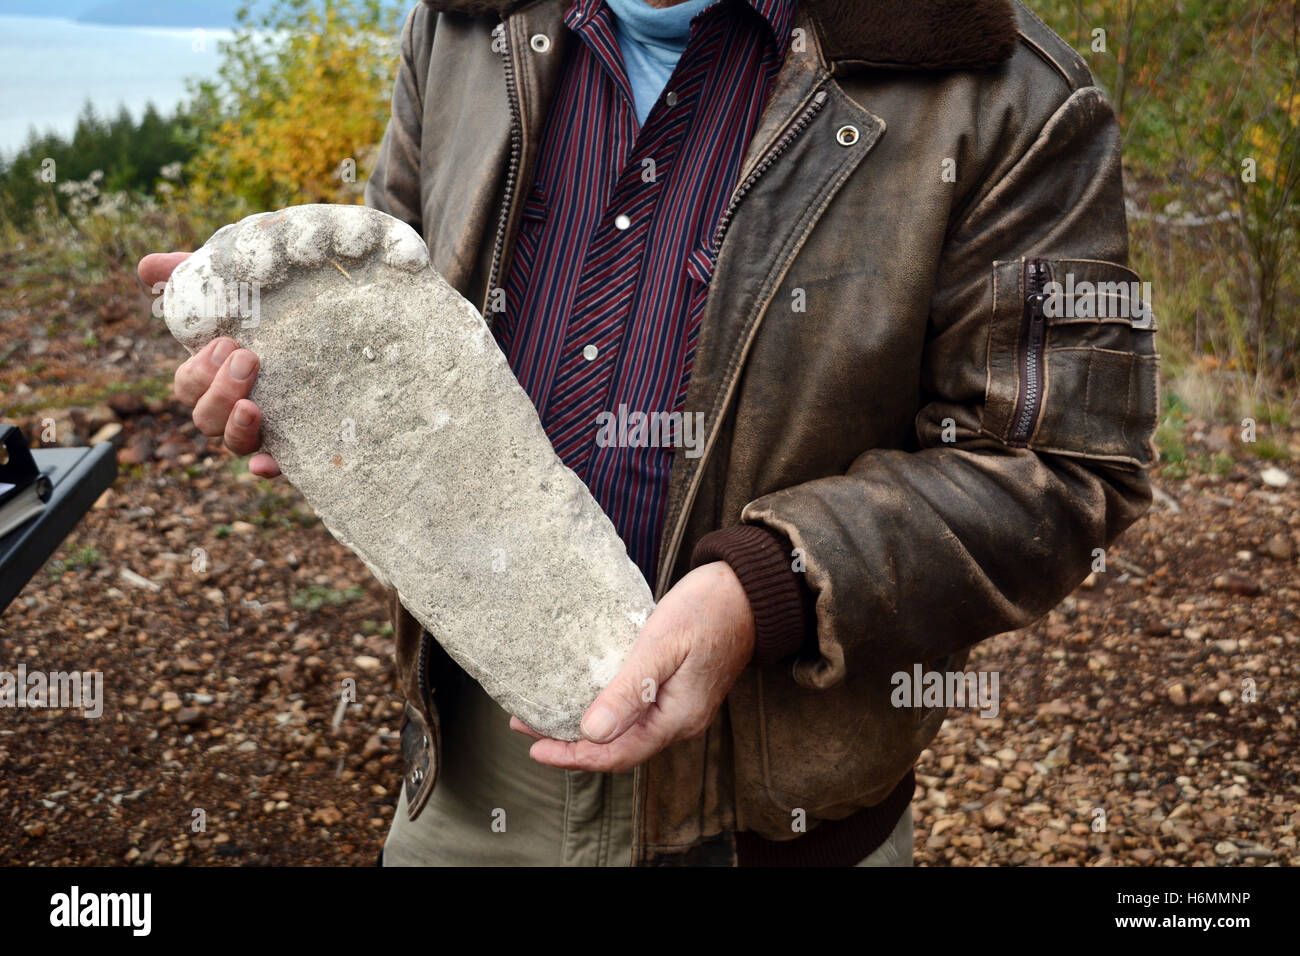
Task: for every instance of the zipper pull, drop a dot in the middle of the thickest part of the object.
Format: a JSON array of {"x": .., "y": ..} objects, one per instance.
[{"x": 1037, "y": 275}]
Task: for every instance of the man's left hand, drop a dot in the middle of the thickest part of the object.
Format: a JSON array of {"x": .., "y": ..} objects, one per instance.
[{"x": 689, "y": 653}]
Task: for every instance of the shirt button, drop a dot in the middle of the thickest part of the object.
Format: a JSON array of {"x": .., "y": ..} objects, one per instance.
[
  {"x": 621, "y": 222},
  {"x": 671, "y": 98},
  {"x": 540, "y": 42},
  {"x": 590, "y": 353}
]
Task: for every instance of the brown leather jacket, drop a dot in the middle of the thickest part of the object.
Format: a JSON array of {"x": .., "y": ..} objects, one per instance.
[{"x": 877, "y": 383}]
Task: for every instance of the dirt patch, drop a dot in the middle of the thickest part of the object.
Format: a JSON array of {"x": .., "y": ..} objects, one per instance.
[{"x": 227, "y": 624}]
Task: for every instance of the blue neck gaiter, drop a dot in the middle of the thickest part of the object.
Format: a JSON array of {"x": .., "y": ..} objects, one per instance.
[{"x": 651, "y": 40}]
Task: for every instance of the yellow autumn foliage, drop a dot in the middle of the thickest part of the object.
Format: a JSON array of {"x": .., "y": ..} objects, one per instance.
[{"x": 299, "y": 110}]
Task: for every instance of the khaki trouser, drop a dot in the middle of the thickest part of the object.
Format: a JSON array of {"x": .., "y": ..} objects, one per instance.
[{"x": 495, "y": 806}]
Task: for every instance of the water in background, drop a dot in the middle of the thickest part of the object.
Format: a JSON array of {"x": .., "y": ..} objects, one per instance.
[{"x": 50, "y": 67}]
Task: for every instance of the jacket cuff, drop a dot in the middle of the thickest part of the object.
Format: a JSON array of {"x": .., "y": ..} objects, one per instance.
[{"x": 778, "y": 595}]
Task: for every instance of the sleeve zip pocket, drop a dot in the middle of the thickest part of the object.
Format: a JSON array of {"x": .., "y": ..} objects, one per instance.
[{"x": 1033, "y": 338}]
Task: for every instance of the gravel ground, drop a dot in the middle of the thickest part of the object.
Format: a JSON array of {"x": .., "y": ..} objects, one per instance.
[
  {"x": 1123, "y": 737},
  {"x": 1127, "y": 701}
]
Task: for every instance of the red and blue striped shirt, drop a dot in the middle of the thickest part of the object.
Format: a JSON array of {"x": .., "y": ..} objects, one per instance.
[{"x": 613, "y": 260}]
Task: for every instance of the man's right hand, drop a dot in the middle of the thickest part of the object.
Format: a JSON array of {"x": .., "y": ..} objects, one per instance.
[{"x": 215, "y": 382}]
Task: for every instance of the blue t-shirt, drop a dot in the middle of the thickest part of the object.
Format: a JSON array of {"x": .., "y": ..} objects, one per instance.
[{"x": 652, "y": 40}]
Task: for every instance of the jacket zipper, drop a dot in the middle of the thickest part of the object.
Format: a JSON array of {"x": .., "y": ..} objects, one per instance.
[
  {"x": 1032, "y": 338},
  {"x": 425, "y": 691},
  {"x": 792, "y": 131},
  {"x": 512, "y": 173}
]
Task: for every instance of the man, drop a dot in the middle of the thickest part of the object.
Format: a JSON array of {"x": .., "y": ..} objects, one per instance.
[{"x": 829, "y": 231}]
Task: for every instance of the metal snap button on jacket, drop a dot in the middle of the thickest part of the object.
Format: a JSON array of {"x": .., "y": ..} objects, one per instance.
[
  {"x": 540, "y": 42},
  {"x": 847, "y": 135}
]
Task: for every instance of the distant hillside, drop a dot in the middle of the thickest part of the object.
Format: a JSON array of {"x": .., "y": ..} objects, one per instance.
[
  {"x": 69, "y": 9},
  {"x": 162, "y": 13},
  {"x": 157, "y": 13}
]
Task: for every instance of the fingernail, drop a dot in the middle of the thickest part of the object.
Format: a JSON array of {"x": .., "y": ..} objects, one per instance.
[
  {"x": 243, "y": 417},
  {"x": 222, "y": 351},
  {"x": 599, "y": 723},
  {"x": 241, "y": 366}
]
